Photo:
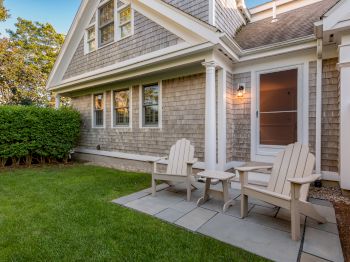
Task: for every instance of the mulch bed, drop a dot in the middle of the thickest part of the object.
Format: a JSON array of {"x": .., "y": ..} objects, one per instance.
[{"x": 342, "y": 211}]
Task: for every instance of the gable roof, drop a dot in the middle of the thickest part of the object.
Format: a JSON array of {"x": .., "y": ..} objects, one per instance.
[
  {"x": 295, "y": 24},
  {"x": 192, "y": 30}
]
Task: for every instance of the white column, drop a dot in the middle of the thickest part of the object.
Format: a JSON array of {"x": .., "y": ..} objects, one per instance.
[
  {"x": 222, "y": 119},
  {"x": 57, "y": 101},
  {"x": 318, "y": 147},
  {"x": 344, "y": 85},
  {"x": 210, "y": 116}
]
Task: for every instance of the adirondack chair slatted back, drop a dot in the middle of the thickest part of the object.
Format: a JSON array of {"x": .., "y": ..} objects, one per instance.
[
  {"x": 180, "y": 154},
  {"x": 295, "y": 161}
]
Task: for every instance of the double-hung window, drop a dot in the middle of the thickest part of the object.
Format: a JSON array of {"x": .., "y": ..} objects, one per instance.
[
  {"x": 98, "y": 110},
  {"x": 91, "y": 39},
  {"x": 106, "y": 23},
  {"x": 124, "y": 22},
  {"x": 121, "y": 101},
  {"x": 150, "y": 103}
]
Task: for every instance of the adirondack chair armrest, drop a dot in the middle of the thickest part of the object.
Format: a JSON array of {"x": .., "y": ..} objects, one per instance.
[
  {"x": 156, "y": 162},
  {"x": 304, "y": 180},
  {"x": 252, "y": 168}
]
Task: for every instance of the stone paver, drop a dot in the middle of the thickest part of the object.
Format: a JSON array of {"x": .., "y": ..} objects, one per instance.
[
  {"x": 129, "y": 198},
  {"x": 305, "y": 257},
  {"x": 170, "y": 215},
  {"x": 196, "y": 218},
  {"x": 320, "y": 202},
  {"x": 153, "y": 205},
  {"x": 323, "y": 244},
  {"x": 328, "y": 227},
  {"x": 263, "y": 210},
  {"x": 265, "y": 231},
  {"x": 326, "y": 212},
  {"x": 258, "y": 239}
]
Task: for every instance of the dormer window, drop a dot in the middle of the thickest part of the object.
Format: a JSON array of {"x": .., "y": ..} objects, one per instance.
[
  {"x": 124, "y": 22},
  {"x": 91, "y": 39},
  {"x": 113, "y": 22},
  {"x": 106, "y": 23}
]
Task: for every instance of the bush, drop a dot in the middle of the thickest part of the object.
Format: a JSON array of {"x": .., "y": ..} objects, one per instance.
[{"x": 30, "y": 134}]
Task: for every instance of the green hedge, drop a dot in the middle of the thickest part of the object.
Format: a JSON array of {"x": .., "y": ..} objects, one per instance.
[{"x": 30, "y": 134}]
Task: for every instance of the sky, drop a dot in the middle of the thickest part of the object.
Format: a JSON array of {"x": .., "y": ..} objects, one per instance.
[{"x": 59, "y": 13}]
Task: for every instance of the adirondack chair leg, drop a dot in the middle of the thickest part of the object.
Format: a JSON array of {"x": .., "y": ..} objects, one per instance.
[
  {"x": 244, "y": 205},
  {"x": 153, "y": 187},
  {"x": 294, "y": 211},
  {"x": 189, "y": 189},
  {"x": 295, "y": 220}
]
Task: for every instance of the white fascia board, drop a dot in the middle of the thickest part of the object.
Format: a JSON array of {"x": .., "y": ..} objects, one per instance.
[
  {"x": 131, "y": 69},
  {"x": 73, "y": 38},
  {"x": 177, "y": 21},
  {"x": 273, "y": 52},
  {"x": 338, "y": 17}
]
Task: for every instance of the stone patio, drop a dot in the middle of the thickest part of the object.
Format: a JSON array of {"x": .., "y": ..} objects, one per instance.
[{"x": 266, "y": 230}]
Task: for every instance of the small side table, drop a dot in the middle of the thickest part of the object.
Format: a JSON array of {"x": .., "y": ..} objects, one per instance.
[{"x": 224, "y": 177}]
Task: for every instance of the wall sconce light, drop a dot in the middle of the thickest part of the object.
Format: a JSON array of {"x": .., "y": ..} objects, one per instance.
[{"x": 241, "y": 90}]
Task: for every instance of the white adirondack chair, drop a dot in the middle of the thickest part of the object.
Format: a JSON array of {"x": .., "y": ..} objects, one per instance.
[
  {"x": 179, "y": 169},
  {"x": 288, "y": 187}
]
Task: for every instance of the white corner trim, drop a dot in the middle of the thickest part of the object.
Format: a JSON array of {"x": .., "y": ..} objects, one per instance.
[
  {"x": 318, "y": 128},
  {"x": 121, "y": 155},
  {"x": 212, "y": 12}
]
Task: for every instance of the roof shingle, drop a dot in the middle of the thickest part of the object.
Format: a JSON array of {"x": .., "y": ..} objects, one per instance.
[{"x": 290, "y": 25}]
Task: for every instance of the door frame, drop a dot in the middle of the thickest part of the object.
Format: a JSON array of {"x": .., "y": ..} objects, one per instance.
[{"x": 267, "y": 153}]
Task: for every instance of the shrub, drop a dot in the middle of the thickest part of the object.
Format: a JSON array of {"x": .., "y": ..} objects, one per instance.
[{"x": 40, "y": 134}]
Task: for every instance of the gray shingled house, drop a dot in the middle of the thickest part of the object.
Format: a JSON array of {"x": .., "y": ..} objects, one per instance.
[{"x": 239, "y": 83}]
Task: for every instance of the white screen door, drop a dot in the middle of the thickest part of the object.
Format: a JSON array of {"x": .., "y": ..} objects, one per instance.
[{"x": 277, "y": 114}]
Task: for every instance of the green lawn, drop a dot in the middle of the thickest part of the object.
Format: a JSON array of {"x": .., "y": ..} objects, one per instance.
[{"x": 65, "y": 214}]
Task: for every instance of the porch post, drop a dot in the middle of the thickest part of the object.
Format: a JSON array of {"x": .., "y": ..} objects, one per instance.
[
  {"x": 221, "y": 119},
  {"x": 344, "y": 87},
  {"x": 210, "y": 116},
  {"x": 57, "y": 101}
]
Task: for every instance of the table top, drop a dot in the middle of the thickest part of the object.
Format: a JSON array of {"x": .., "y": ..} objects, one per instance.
[{"x": 216, "y": 175}]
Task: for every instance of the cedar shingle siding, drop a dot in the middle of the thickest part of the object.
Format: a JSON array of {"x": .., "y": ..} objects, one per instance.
[
  {"x": 227, "y": 18},
  {"x": 290, "y": 25},
  {"x": 183, "y": 117},
  {"x": 196, "y": 8},
  {"x": 238, "y": 118},
  {"x": 330, "y": 114},
  {"x": 148, "y": 37}
]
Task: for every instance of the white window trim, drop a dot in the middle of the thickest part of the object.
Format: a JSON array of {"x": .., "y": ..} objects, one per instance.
[
  {"x": 128, "y": 127},
  {"x": 160, "y": 106},
  {"x": 267, "y": 153},
  {"x": 116, "y": 26},
  {"x": 93, "y": 110},
  {"x": 99, "y": 46},
  {"x": 117, "y": 31},
  {"x": 86, "y": 46}
]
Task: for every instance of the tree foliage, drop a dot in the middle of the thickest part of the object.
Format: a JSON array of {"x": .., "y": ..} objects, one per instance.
[
  {"x": 3, "y": 12},
  {"x": 26, "y": 59}
]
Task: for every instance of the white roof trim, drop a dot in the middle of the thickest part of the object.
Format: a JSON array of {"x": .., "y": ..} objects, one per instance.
[
  {"x": 171, "y": 18},
  {"x": 338, "y": 17}
]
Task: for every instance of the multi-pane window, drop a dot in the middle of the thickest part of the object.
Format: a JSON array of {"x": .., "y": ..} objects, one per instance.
[
  {"x": 124, "y": 22},
  {"x": 151, "y": 105},
  {"x": 91, "y": 39},
  {"x": 122, "y": 108},
  {"x": 98, "y": 110},
  {"x": 106, "y": 23}
]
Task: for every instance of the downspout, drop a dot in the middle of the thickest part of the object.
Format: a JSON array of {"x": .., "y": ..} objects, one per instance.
[{"x": 318, "y": 148}]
